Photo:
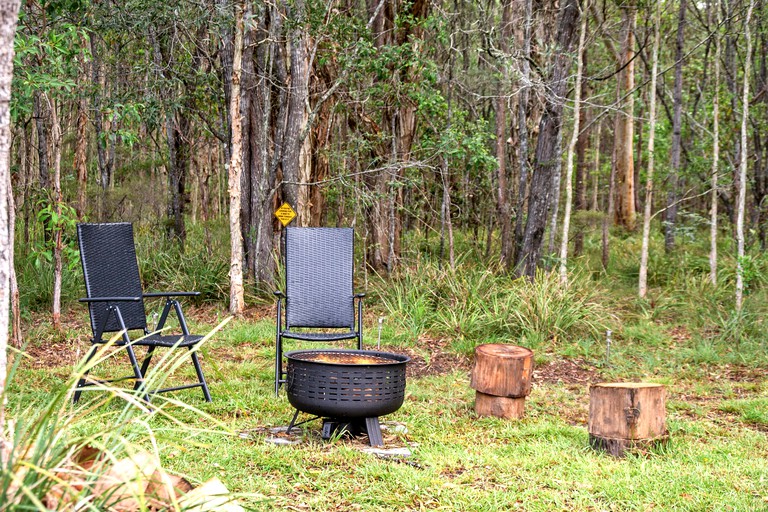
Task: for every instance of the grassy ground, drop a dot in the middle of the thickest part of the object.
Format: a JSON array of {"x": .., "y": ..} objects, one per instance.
[{"x": 717, "y": 458}]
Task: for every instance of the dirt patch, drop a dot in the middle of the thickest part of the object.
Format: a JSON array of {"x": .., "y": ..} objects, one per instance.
[
  {"x": 432, "y": 357},
  {"x": 53, "y": 354},
  {"x": 566, "y": 371},
  {"x": 679, "y": 335},
  {"x": 230, "y": 354},
  {"x": 741, "y": 374}
]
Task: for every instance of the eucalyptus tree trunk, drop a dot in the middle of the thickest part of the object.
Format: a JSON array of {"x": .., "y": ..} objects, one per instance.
[
  {"x": 41, "y": 115},
  {"x": 500, "y": 105},
  {"x": 522, "y": 127},
  {"x": 670, "y": 214},
  {"x": 175, "y": 142},
  {"x": 262, "y": 143},
  {"x": 594, "y": 204},
  {"x": 715, "y": 151},
  {"x": 643, "y": 278},
  {"x": 98, "y": 117},
  {"x": 609, "y": 214},
  {"x": 56, "y": 200},
  {"x": 27, "y": 179},
  {"x": 582, "y": 167},
  {"x": 81, "y": 143},
  {"x": 446, "y": 223},
  {"x": 9, "y": 10},
  {"x": 16, "y": 334},
  {"x": 554, "y": 207},
  {"x": 729, "y": 196},
  {"x": 320, "y": 165},
  {"x": 178, "y": 127},
  {"x": 236, "y": 292},
  {"x": 296, "y": 160},
  {"x": 547, "y": 156},
  {"x": 571, "y": 151},
  {"x": 81, "y": 148},
  {"x": 740, "y": 207},
  {"x": 625, "y": 122},
  {"x": 760, "y": 171},
  {"x": 379, "y": 184}
]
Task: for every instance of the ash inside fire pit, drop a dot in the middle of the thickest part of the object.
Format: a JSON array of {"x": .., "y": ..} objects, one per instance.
[
  {"x": 346, "y": 385},
  {"x": 340, "y": 357}
]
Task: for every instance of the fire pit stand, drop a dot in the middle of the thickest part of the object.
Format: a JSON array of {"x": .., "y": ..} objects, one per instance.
[
  {"x": 349, "y": 389},
  {"x": 339, "y": 427}
]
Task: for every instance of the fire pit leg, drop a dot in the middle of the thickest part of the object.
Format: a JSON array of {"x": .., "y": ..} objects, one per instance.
[
  {"x": 293, "y": 422},
  {"x": 374, "y": 431}
]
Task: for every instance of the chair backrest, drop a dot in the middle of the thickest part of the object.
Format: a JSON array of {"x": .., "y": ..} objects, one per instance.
[
  {"x": 110, "y": 268},
  {"x": 319, "y": 266}
]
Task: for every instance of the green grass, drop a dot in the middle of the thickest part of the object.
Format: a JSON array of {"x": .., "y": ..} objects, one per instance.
[{"x": 717, "y": 459}]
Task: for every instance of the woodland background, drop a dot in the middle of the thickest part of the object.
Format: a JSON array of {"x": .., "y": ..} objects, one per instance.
[{"x": 395, "y": 117}]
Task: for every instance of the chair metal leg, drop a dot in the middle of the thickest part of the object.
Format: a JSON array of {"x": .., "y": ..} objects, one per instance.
[
  {"x": 136, "y": 371},
  {"x": 200, "y": 377},
  {"x": 278, "y": 364},
  {"x": 145, "y": 365},
  {"x": 82, "y": 380},
  {"x": 360, "y": 323}
]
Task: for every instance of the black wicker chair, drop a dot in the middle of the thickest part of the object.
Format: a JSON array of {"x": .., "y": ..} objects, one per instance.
[
  {"x": 116, "y": 304},
  {"x": 319, "y": 301}
]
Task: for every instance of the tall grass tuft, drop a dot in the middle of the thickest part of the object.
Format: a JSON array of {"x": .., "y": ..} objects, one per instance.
[
  {"x": 35, "y": 280},
  {"x": 203, "y": 266},
  {"x": 471, "y": 305},
  {"x": 545, "y": 310},
  {"x": 48, "y": 435}
]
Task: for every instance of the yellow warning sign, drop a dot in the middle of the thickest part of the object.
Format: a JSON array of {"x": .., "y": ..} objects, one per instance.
[{"x": 285, "y": 214}]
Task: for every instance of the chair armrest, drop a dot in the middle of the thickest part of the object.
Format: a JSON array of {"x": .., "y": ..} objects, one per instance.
[
  {"x": 110, "y": 299},
  {"x": 171, "y": 294},
  {"x": 278, "y": 294},
  {"x": 359, "y": 295}
]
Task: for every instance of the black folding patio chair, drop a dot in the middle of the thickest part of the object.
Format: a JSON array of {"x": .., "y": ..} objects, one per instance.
[
  {"x": 319, "y": 299},
  {"x": 116, "y": 304}
]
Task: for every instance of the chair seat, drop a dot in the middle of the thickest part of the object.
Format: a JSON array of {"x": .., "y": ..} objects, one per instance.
[
  {"x": 168, "y": 340},
  {"x": 318, "y": 336}
]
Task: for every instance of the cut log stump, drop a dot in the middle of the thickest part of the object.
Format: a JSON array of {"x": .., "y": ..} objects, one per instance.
[
  {"x": 628, "y": 416},
  {"x": 499, "y": 406},
  {"x": 502, "y": 378}
]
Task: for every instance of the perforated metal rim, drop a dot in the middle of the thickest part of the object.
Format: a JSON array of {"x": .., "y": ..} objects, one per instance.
[{"x": 395, "y": 359}]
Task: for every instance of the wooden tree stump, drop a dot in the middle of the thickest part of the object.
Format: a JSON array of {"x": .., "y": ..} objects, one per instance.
[
  {"x": 627, "y": 416},
  {"x": 501, "y": 378}
]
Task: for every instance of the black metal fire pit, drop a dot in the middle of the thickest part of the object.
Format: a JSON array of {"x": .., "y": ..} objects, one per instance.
[{"x": 349, "y": 388}]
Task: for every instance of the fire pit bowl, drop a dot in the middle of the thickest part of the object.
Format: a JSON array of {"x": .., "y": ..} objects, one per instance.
[{"x": 345, "y": 384}]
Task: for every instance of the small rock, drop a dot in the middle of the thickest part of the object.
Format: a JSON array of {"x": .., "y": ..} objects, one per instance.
[
  {"x": 284, "y": 430},
  {"x": 395, "y": 428},
  {"x": 389, "y": 452},
  {"x": 282, "y": 441}
]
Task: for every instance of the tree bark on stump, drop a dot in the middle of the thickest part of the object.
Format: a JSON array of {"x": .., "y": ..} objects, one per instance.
[
  {"x": 499, "y": 406},
  {"x": 501, "y": 378},
  {"x": 627, "y": 416}
]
